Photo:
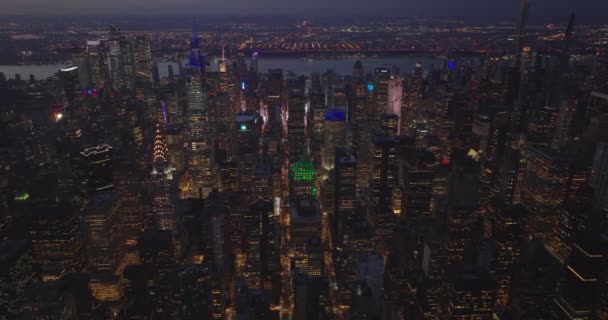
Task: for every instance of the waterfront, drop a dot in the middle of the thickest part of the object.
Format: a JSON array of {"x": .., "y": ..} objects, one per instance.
[{"x": 297, "y": 65}]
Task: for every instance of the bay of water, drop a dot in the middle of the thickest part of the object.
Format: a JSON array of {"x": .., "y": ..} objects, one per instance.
[{"x": 297, "y": 65}]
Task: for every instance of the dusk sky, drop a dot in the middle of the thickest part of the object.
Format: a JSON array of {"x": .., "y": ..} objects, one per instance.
[{"x": 586, "y": 9}]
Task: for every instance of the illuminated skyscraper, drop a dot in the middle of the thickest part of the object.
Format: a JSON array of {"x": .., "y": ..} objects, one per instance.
[
  {"x": 570, "y": 216},
  {"x": 471, "y": 294},
  {"x": 96, "y": 64},
  {"x": 95, "y": 169},
  {"x": 228, "y": 176},
  {"x": 346, "y": 188},
  {"x": 127, "y": 63},
  {"x": 463, "y": 214},
  {"x": 57, "y": 242},
  {"x": 104, "y": 235},
  {"x": 142, "y": 57},
  {"x": 224, "y": 112},
  {"x": 297, "y": 124},
  {"x": 163, "y": 205},
  {"x": 507, "y": 230},
  {"x": 248, "y": 129},
  {"x": 200, "y": 137},
  {"x": 305, "y": 222},
  {"x": 196, "y": 60},
  {"x": 302, "y": 180},
  {"x": 16, "y": 274},
  {"x": 380, "y": 92},
  {"x": 128, "y": 187},
  {"x": 113, "y": 54},
  {"x": 262, "y": 181},
  {"x": 395, "y": 98},
  {"x": 417, "y": 187},
  {"x": 334, "y": 135},
  {"x": 384, "y": 157},
  {"x": 543, "y": 189},
  {"x": 71, "y": 84}
]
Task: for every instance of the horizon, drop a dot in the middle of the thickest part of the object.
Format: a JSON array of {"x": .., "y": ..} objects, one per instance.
[{"x": 588, "y": 11}]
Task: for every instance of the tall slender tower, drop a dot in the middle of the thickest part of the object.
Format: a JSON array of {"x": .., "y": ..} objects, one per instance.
[
  {"x": 163, "y": 206},
  {"x": 196, "y": 59}
]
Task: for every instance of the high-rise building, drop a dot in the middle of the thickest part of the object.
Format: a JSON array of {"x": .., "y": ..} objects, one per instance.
[
  {"x": 507, "y": 229},
  {"x": 142, "y": 57},
  {"x": 57, "y": 242},
  {"x": 225, "y": 112},
  {"x": 599, "y": 173},
  {"x": 310, "y": 295},
  {"x": 570, "y": 218},
  {"x": 47, "y": 300},
  {"x": 262, "y": 181},
  {"x": 334, "y": 135},
  {"x": 345, "y": 191},
  {"x": 417, "y": 184},
  {"x": 200, "y": 137},
  {"x": 305, "y": 222},
  {"x": 259, "y": 248},
  {"x": 470, "y": 293},
  {"x": 128, "y": 186},
  {"x": 95, "y": 169},
  {"x": 395, "y": 98},
  {"x": 543, "y": 189},
  {"x": 248, "y": 129},
  {"x": 581, "y": 284},
  {"x": 127, "y": 64},
  {"x": 16, "y": 274},
  {"x": 103, "y": 232},
  {"x": 384, "y": 168},
  {"x": 357, "y": 72},
  {"x": 380, "y": 93},
  {"x": 163, "y": 199},
  {"x": 297, "y": 126},
  {"x": 302, "y": 180},
  {"x": 71, "y": 84}
]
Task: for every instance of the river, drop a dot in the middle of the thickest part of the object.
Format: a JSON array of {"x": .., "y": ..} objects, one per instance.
[{"x": 297, "y": 65}]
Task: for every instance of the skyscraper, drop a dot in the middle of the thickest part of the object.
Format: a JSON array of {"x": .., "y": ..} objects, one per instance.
[
  {"x": 103, "y": 232},
  {"x": 471, "y": 294},
  {"x": 200, "y": 136},
  {"x": 95, "y": 169},
  {"x": 163, "y": 199},
  {"x": 581, "y": 284},
  {"x": 57, "y": 242},
  {"x": 248, "y": 127},
  {"x": 297, "y": 114},
  {"x": 71, "y": 84},
  {"x": 16, "y": 274},
  {"x": 334, "y": 135}
]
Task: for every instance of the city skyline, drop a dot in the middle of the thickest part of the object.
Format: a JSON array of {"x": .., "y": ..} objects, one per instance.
[
  {"x": 477, "y": 10},
  {"x": 303, "y": 169}
]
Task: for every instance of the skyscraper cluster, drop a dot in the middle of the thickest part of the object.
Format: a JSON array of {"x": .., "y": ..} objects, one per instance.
[{"x": 475, "y": 189}]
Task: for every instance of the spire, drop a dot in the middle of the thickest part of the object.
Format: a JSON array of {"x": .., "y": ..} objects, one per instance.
[
  {"x": 195, "y": 57},
  {"x": 523, "y": 23},
  {"x": 222, "y": 64},
  {"x": 569, "y": 31},
  {"x": 160, "y": 147},
  {"x": 194, "y": 40},
  {"x": 223, "y": 50}
]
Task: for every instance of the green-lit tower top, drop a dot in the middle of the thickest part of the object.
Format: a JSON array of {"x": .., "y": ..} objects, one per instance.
[{"x": 303, "y": 171}]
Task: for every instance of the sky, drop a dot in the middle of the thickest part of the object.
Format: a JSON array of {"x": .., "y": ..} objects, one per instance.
[{"x": 586, "y": 9}]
